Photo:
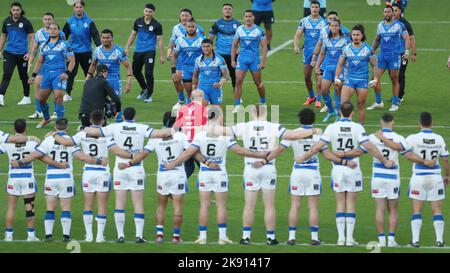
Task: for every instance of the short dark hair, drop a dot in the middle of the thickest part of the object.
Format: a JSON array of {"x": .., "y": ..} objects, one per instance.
[
  {"x": 49, "y": 14},
  {"x": 168, "y": 119},
  {"x": 129, "y": 113},
  {"x": 361, "y": 29},
  {"x": 97, "y": 117},
  {"x": 107, "y": 31},
  {"x": 346, "y": 109},
  {"x": 398, "y": 5},
  {"x": 192, "y": 20},
  {"x": 150, "y": 6},
  {"x": 207, "y": 41},
  {"x": 102, "y": 68},
  {"x": 79, "y": 2},
  {"x": 227, "y": 4},
  {"x": 306, "y": 116},
  {"x": 186, "y": 10},
  {"x": 61, "y": 123},
  {"x": 20, "y": 125},
  {"x": 389, "y": 7},
  {"x": 17, "y": 4},
  {"x": 425, "y": 119},
  {"x": 333, "y": 12},
  {"x": 315, "y": 2},
  {"x": 387, "y": 117},
  {"x": 250, "y": 11}
]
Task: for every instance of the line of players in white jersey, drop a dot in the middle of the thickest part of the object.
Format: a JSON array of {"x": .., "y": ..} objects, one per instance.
[{"x": 209, "y": 146}]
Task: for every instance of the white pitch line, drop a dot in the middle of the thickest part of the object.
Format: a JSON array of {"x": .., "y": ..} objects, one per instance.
[
  {"x": 419, "y": 49},
  {"x": 278, "y": 48}
]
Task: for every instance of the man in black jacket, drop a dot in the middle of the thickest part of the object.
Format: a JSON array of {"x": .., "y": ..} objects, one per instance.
[{"x": 95, "y": 93}]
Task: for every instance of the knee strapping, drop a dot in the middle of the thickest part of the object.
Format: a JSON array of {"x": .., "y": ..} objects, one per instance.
[{"x": 29, "y": 212}]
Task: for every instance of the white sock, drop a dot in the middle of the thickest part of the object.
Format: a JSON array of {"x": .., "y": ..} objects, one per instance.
[
  {"x": 139, "y": 222},
  {"x": 350, "y": 220},
  {"x": 416, "y": 224},
  {"x": 314, "y": 233},
  {"x": 382, "y": 238},
  {"x": 49, "y": 222},
  {"x": 246, "y": 232},
  {"x": 202, "y": 230},
  {"x": 9, "y": 232},
  {"x": 88, "y": 218},
  {"x": 31, "y": 233},
  {"x": 270, "y": 234},
  {"x": 222, "y": 231},
  {"x": 340, "y": 224},
  {"x": 159, "y": 230},
  {"x": 66, "y": 222},
  {"x": 292, "y": 232},
  {"x": 119, "y": 218},
  {"x": 101, "y": 223},
  {"x": 438, "y": 222}
]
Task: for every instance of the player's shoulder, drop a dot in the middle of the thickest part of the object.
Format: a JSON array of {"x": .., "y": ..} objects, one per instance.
[{"x": 220, "y": 58}]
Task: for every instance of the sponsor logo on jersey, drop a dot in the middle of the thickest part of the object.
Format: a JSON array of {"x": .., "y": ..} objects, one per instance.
[
  {"x": 346, "y": 129},
  {"x": 429, "y": 141},
  {"x": 127, "y": 128}
]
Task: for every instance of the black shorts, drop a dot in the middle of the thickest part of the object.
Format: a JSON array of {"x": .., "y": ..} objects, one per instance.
[{"x": 265, "y": 17}]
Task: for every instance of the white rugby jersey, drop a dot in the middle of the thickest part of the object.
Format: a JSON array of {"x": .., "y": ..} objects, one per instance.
[
  {"x": 345, "y": 135},
  {"x": 3, "y": 137},
  {"x": 214, "y": 148},
  {"x": 18, "y": 151},
  {"x": 93, "y": 146},
  {"x": 301, "y": 146},
  {"x": 168, "y": 150},
  {"x": 378, "y": 168},
  {"x": 429, "y": 146},
  {"x": 129, "y": 136},
  {"x": 58, "y": 153},
  {"x": 258, "y": 136}
]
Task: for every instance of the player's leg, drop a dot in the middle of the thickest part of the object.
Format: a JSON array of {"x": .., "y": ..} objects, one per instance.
[
  {"x": 269, "y": 212},
  {"x": 393, "y": 74},
  {"x": 44, "y": 94},
  {"x": 59, "y": 101},
  {"x": 248, "y": 214},
  {"x": 221, "y": 205},
  {"x": 293, "y": 217},
  {"x": 380, "y": 210},
  {"x": 179, "y": 87},
  {"x": 102, "y": 204},
  {"x": 178, "y": 200},
  {"x": 269, "y": 32},
  {"x": 9, "y": 227},
  {"x": 187, "y": 84},
  {"x": 307, "y": 73},
  {"x": 438, "y": 221},
  {"x": 88, "y": 215},
  {"x": 85, "y": 61},
  {"x": 37, "y": 84},
  {"x": 22, "y": 68},
  {"x": 71, "y": 79},
  {"x": 231, "y": 70},
  {"x": 319, "y": 95},
  {"x": 326, "y": 84},
  {"x": 28, "y": 201},
  {"x": 66, "y": 216},
  {"x": 402, "y": 79},
  {"x": 137, "y": 197},
  {"x": 313, "y": 205},
  {"x": 9, "y": 63},
  {"x": 361, "y": 98},
  {"x": 257, "y": 79},
  {"x": 160, "y": 216},
  {"x": 240, "y": 76},
  {"x": 350, "y": 217},
  {"x": 119, "y": 213},
  {"x": 49, "y": 217},
  {"x": 340, "y": 217},
  {"x": 378, "y": 104},
  {"x": 393, "y": 220},
  {"x": 137, "y": 64},
  {"x": 205, "y": 203},
  {"x": 416, "y": 220},
  {"x": 149, "y": 78},
  {"x": 347, "y": 93}
]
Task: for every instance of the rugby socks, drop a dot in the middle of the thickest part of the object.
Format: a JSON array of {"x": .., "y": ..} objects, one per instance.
[
  {"x": 159, "y": 230},
  {"x": 382, "y": 239},
  {"x": 45, "y": 111},
  {"x": 181, "y": 97},
  {"x": 9, "y": 232},
  {"x": 314, "y": 233},
  {"x": 38, "y": 106},
  {"x": 202, "y": 230},
  {"x": 416, "y": 224},
  {"x": 292, "y": 232},
  {"x": 340, "y": 224},
  {"x": 319, "y": 98},
  {"x": 237, "y": 102},
  {"x": 438, "y": 223},
  {"x": 66, "y": 222},
  {"x": 246, "y": 232},
  {"x": 337, "y": 100},
  {"x": 176, "y": 231},
  {"x": 270, "y": 234},
  {"x": 31, "y": 232},
  {"x": 329, "y": 103},
  {"x": 222, "y": 230},
  {"x": 49, "y": 221},
  {"x": 378, "y": 97},
  {"x": 88, "y": 218},
  {"x": 139, "y": 222},
  {"x": 119, "y": 218},
  {"x": 391, "y": 237},
  {"x": 262, "y": 100},
  {"x": 350, "y": 219},
  {"x": 395, "y": 100},
  {"x": 59, "y": 109},
  {"x": 101, "y": 223},
  {"x": 311, "y": 93}
]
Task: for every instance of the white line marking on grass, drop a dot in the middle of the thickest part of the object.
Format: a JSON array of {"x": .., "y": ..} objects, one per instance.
[
  {"x": 419, "y": 49},
  {"x": 278, "y": 48}
]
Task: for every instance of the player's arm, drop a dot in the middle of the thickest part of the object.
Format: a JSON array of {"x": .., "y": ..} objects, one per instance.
[
  {"x": 70, "y": 67},
  {"x": 160, "y": 41},
  {"x": 314, "y": 150},
  {"x": 49, "y": 161},
  {"x": 135, "y": 159},
  {"x": 188, "y": 153},
  {"x": 338, "y": 72},
  {"x": 90, "y": 159},
  {"x": 27, "y": 160},
  {"x": 372, "y": 149},
  {"x": 263, "y": 44},
  {"x": 298, "y": 35},
  {"x": 246, "y": 152},
  {"x": 94, "y": 131},
  {"x": 320, "y": 60},
  {"x": 66, "y": 30},
  {"x": 68, "y": 142},
  {"x": 130, "y": 40},
  {"x": 161, "y": 133},
  {"x": 334, "y": 158},
  {"x": 300, "y": 134},
  {"x": 2, "y": 43},
  {"x": 407, "y": 45},
  {"x": 37, "y": 67},
  {"x": 129, "y": 69},
  {"x": 272, "y": 155},
  {"x": 389, "y": 142},
  {"x": 120, "y": 152},
  {"x": 234, "y": 48},
  {"x": 91, "y": 69},
  {"x": 94, "y": 34},
  {"x": 219, "y": 130},
  {"x": 374, "y": 64},
  {"x": 419, "y": 160},
  {"x": 195, "y": 78},
  {"x": 21, "y": 139},
  {"x": 352, "y": 153},
  {"x": 444, "y": 161},
  {"x": 317, "y": 51},
  {"x": 33, "y": 53},
  {"x": 376, "y": 43}
]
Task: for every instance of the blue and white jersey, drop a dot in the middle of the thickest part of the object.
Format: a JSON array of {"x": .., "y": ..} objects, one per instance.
[
  {"x": 326, "y": 30},
  {"x": 249, "y": 40},
  {"x": 93, "y": 146},
  {"x": 225, "y": 32},
  {"x": 18, "y": 151},
  {"x": 262, "y": 5},
  {"x": 378, "y": 168},
  {"x": 311, "y": 30},
  {"x": 428, "y": 146},
  {"x": 210, "y": 69},
  {"x": 55, "y": 55},
  {"x": 302, "y": 146},
  {"x": 179, "y": 31},
  {"x": 58, "y": 153},
  {"x": 391, "y": 37},
  {"x": 188, "y": 49},
  {"x": 111, "y": 58},
  {"x": 357, "y": 60},
  {"x": 41, "y": 36},
  {"x": 167, "y": 150},
  {"x": 3, "y": 137},
  {"x": 333, "y": 49},
  {"x": 205, "y": 143}
]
